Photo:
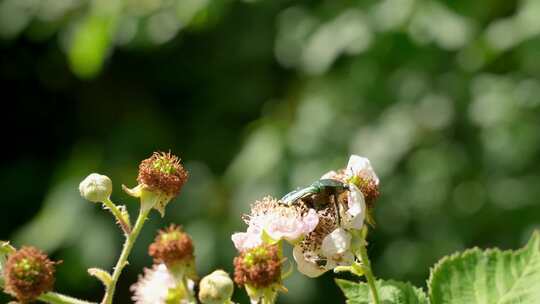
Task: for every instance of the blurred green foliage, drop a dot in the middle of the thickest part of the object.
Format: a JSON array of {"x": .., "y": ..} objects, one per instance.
[{"x": 263, "y": 96}]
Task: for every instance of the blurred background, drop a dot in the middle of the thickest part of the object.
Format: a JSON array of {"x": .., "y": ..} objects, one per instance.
[{"x": 261, "y": 97}]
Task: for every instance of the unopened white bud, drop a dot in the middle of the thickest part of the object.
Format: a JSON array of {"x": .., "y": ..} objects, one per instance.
[
  {"x": 216, "y": 288},
  {"x": 96, "y": 188}
]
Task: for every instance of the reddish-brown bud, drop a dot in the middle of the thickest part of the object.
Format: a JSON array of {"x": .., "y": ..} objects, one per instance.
[
  {"x": 171, "y": 245},
  {"x": 162, "y": 172},
  {"x": 258, "y": 267},
  {"x": 28, "y": 273}
]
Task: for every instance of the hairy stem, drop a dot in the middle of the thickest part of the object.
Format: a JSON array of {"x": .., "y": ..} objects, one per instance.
[
  {"x": 56, "y": 298},
  {"x": 362, "y": 255},
  {"x": 126, "y": 226},
  {"x": 122, "y": 260}
]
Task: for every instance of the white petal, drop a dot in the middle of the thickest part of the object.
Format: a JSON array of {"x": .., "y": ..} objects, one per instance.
[
  {"x": 360, "y": 166},
  {"x": 330, "y": 175},
  {"x": 336, "y": 243},
  {"x": 356, "y": 211},
  {"x": 247, "y": 240},
  {"x": 153, "y": 287},
  {"x": 308, "y": 268}
]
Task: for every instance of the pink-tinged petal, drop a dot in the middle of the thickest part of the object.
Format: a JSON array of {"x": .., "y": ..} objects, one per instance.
[
  {"x": 311, "y": 220},
  {"x": 247, "y": 240},
  {"x": 239, "y": 239}
]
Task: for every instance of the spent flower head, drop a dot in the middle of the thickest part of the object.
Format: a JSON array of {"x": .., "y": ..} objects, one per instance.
[
  {"x": 259, "y": 267},
  {"x": 162, "y": 172},
  {"x": 28, "y": 273},
  {"x": 328, "y": 245},
  {"x": 172, "y": 246},
  {"x": 96, "y": 188},
  {"x": 160, "y": 178}
]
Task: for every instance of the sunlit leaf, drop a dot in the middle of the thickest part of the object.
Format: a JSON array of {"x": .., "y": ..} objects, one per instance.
[
  {"x": 390, "y": 292},
  {"x": 490, "y": 276},
  {"x": 90, "y": 45}
]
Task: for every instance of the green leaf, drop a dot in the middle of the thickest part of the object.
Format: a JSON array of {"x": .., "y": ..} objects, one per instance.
[
  {"x": 90, "y": 45},
  {"x": 390, "y": 292},
  {"x": 491, "y": 276}
]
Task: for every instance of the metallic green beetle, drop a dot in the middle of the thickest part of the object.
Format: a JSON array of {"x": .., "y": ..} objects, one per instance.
[{"x": 315, "y": 188}]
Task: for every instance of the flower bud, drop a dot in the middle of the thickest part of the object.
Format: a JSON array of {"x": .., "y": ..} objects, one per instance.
[
  {"x": 96, "y": 188},
  {"x": 172, "y": 246},
  {"x": 258, "y": 267},
  {"x": 216, "y": 288},
  {"x": 28, "y": 273}
]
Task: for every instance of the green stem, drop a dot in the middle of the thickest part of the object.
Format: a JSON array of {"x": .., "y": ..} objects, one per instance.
[
  {"x": 362, "y": 255},
  {"x": 122, "y": 260},
  {"x": 126, "y": 226},
  {"x": 56, "y": 298},
  {"x": 190, "y": 297}
]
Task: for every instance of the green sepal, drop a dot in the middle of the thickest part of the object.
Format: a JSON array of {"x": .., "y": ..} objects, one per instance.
[{"x": 101, "y": 275}]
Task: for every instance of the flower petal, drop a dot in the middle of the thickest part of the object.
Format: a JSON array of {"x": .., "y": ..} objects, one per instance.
[
  {"x": 360, "y": 166},
  {"x": 356, "y": 211},
  {"x": 308, "y": 268},
  {"x": 336, "y": 243}
]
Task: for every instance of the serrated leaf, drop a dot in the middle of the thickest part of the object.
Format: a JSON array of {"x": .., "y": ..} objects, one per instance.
[
  {"x": 101, "y": 275},
  {"x": 390, "y": 292},
  {"x": 491, "y": 276}
]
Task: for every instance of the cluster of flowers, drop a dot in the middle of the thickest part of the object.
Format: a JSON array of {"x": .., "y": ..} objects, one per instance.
[
  {"x": 172, "y": 277},
  {"x": 323, "y": 222}
]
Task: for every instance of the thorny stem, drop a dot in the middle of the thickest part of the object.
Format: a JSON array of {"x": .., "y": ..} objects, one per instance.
[
  {"x": 362, "y": 255},
  {"x": 122, "y": 260}
]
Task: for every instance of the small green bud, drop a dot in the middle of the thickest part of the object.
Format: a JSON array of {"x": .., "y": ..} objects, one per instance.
[
  {"x": 216, "y": 288},
  {"x": 96, "y": 188}
]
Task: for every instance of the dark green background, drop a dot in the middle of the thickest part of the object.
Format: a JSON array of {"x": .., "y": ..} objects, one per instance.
[{"x": 258, "y": 98}]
